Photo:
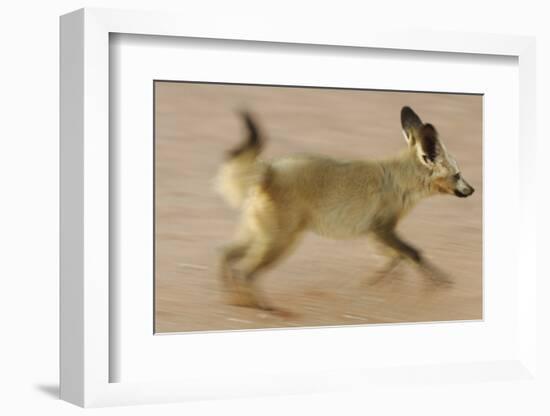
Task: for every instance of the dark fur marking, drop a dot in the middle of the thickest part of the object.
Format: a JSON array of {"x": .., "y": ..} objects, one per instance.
[
  {"x": 253, "y": 139},
  {"x": 392, "y": 240},
  {"x": 428, "y": 139}
]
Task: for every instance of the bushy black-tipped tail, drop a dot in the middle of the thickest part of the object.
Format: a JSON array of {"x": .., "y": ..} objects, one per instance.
[
  {"x": 253, "y": 142},
  {"x": 241, "y": 170}
]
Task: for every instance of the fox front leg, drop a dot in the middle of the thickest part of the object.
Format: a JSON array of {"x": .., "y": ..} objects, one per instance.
[
  {"x": 392, "y": 259},
  {"x": 386, "y": 270},
  {"x": 434, "y": 272},
  {"x": 405, "y": 250}
]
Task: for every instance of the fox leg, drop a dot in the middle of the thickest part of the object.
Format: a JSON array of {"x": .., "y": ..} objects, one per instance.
[
  {"x": 270, "y": 231},
  {"x": 434, "y": 272},
  {"x": 231, "y": 254},
  {"x": 258, "y": 258},
  {"x": 266, "y": 249},
  {"x": 393, "y": 261},
  {"x": 405, "y": 250}
]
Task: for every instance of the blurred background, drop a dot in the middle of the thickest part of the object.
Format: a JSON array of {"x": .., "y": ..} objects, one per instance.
[{"x": 324, "y": 281}]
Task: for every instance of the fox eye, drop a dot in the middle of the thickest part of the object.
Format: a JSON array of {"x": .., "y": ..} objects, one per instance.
[{"x": 456, "y": 177}]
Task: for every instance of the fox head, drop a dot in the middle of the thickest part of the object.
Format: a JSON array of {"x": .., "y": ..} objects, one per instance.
[{"x": 424, "y": 142}]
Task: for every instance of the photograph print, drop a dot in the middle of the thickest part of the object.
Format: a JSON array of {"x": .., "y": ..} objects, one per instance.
[{"x": 293, "y": 207}]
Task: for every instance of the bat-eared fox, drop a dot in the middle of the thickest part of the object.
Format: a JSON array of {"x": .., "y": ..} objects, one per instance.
[{"x": 281, "y": 199}]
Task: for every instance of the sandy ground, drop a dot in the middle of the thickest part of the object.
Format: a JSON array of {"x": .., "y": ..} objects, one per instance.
[{"x": 324, "y": 281}]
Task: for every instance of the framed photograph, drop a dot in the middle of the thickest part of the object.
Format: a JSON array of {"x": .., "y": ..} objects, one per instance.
[{"x": 263, "y": 211}]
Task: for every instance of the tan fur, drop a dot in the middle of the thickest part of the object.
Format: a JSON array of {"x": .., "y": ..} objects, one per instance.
[{"x": 281, "y": 199}]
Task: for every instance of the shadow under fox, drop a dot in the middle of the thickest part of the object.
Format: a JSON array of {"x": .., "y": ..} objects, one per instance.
[{"x": 281, "y": 199}]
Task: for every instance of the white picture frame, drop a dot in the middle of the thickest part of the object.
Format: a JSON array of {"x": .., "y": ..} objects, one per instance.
[{"x": 85, "y": 222}]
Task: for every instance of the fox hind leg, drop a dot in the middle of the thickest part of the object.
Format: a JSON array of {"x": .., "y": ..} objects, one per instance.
[
  {"x": 268, "y": 230},
  {"x": 269, "y": 246},
  {"x": 230, "y": 255},
  {"x": 258, "y": 258}
]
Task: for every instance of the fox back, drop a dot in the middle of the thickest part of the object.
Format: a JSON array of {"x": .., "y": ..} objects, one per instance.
[{"x": 343, "y": 198}]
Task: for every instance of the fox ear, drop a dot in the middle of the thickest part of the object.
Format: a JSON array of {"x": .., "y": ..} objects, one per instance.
[
  {"x": 410, "y": 123},
  {"x": 429, "y": 147}
]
